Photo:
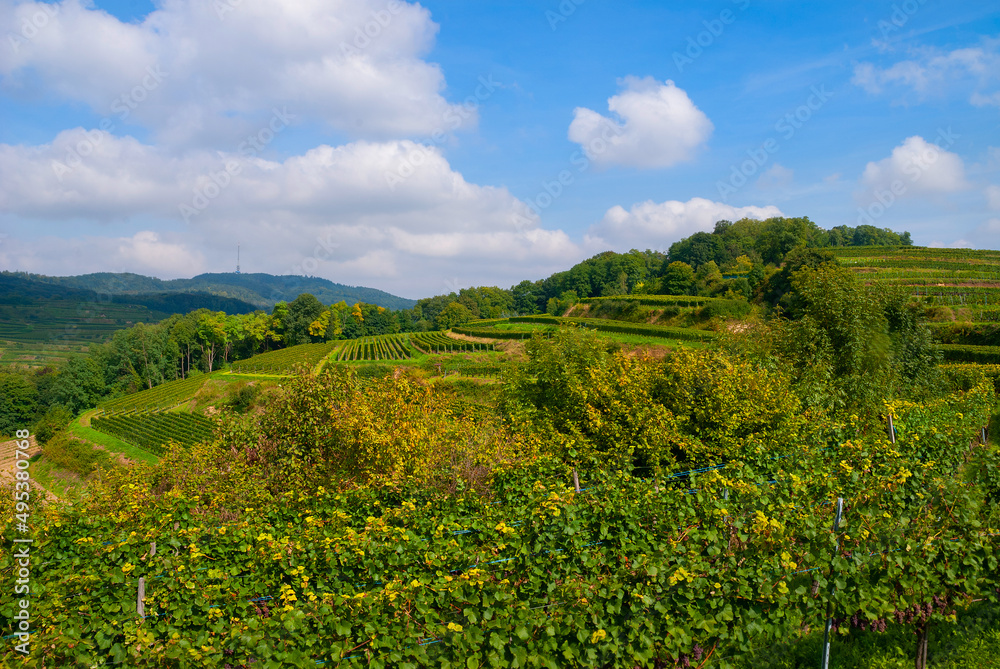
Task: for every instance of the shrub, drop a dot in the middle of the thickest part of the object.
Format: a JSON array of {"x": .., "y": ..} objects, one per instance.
[{"x": 66, "y": 452}]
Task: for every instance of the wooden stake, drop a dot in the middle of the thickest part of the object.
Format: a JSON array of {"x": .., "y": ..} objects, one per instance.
[
  {"x": 576, "y": 480},
  {"x": 140, "y": 606},
  {"x": 825, "y": 664}
]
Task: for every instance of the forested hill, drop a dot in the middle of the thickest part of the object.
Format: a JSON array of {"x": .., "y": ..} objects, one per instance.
[
  {"x": 28, "y": 291},
  {"x": 256, "y": 290}
]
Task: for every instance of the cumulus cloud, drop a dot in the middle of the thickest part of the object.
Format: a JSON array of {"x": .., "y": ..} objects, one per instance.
[
  {"x": 993, "y": 197},
  {"x": 327, "y": 212},
  {"x": 931, "y": 71},
  {"x": 655, "y": 125},
  {"x": 657, "y": 225},
  {"x": 914, "y": 168},
  {"x": 205, "y": 72}
]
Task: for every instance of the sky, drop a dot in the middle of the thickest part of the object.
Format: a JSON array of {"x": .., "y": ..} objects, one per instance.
[{"x": 420, "y": 148}]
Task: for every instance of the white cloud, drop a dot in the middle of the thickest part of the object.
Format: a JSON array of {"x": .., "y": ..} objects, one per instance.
[
  {"x": 980, "y": 100},
  {"x": 218, "y": 69},
  {"x": 657, "y": 225},
  {"x": 327, "y": 212},
  {"x": 957, "y": 244},
  {"x": 931, "y": 71},
  {"x": 993, "y": 197},
  {"x": 915, "y": 168},
  {"x": 777, "y": 177},
  {"x": 657, "y": 125}
]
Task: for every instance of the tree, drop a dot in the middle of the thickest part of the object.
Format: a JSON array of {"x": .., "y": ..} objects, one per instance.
[
  {"x": 525, "y": 296},
  {"x": 678, "y": 278},
  {"x": 80, "y": 385},
  {"x": 18, "y": 403},
  {"x": 211, "y": 336},
  {"x": 454, "y": 314},
  {"x": 302, "y": 312}
]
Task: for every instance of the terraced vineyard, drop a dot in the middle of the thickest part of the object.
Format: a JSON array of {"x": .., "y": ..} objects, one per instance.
[
  {"x": 69, "y": 321},
  {"x": 438, "y": 342},
  {"x": 404, "y": 346},
  {"x": 284, "y": 361},
  {"x": 152, "y": 431},
  {"x": 960, "y": 278},
  {"x": 164, "y": 396},
  {"x": 382, "y": 347},
  {"x": 489, "y": 329}
]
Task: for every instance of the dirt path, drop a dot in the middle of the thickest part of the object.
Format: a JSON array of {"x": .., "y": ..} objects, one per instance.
[{"x": 8, "y": 458}]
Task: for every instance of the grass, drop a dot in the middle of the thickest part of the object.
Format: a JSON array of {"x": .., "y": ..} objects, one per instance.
[
  {"x": 64, "y": 484},
  {"x": 81, "y": 428},
  {"x": 974, "y": 641}
]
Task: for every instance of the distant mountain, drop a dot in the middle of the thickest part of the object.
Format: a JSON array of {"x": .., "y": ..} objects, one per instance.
[{"x": 251, "y": 291}]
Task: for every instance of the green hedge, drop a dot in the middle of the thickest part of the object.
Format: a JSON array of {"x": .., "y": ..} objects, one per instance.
[
  {"x": 623, "y": 327},
  {"x": 655, "y": 300},
  {"x": 491, "y": 333},
  {"x": 967, "y": 334},
  {"x": 985, "y": 355}
]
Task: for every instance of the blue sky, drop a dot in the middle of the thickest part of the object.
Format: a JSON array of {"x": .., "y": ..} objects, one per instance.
[{"x": 419, "y": 148}]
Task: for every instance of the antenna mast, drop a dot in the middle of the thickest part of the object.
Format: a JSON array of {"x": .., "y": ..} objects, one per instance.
[{"x": 237, "y": 258}]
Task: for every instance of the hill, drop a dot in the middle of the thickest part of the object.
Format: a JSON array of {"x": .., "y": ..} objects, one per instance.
[
  {"x": 262, "y": 291},
  {"x": 44, "y": 322}
]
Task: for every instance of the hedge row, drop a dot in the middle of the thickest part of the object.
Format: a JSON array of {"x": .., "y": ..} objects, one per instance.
[
  {"x": 622, "y": 327},
  {"x": 985, "y": 355},
  {"x": 655, "y": 300}
]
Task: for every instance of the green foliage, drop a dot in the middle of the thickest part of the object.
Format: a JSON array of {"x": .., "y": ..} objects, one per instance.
[
  {"x": 73, "y": 455},
  {"x": 453, "y": 315},
  {"x": 779, "y": 288},
  {"x": 678, "y": 278},
  {"x": 339, "y": 526},
  {"x": 984, "y": 355},
  {"x": 55, "y": 419},
  {"x": 243, "y": 396},
  {"x": 969, "y": 334},
  {"x": 852, "y": 345},
  {"x": 18, "y": 403}
]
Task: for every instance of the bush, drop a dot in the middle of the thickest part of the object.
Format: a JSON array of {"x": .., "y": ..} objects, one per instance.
[
  {"x": 243, "y": 398},
  {"x": 55, "y": 419},
  {"x": 727, "y": 309},
  {"x": 68, "y": 453}
]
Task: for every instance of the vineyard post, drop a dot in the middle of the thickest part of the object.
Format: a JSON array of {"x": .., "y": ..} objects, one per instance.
[
  {"x": 825, "y": 663},
  {"x": 140, "y": 606},
  {"x": 576, "y": 480},
  {"x": 892, "y": 430}
]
